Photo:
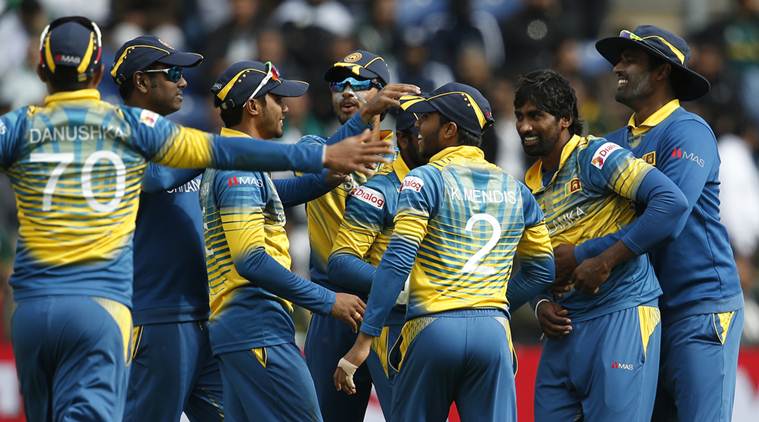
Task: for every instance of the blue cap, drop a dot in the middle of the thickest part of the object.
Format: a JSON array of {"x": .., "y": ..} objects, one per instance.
[
  {"x": 71, "y": 41},
  {"x": 687, "y": 84},
  {"x": 236, "y": 84},
  {"x": 139, "y": 53},
  {"x": 460, "y": 103},
  {"x": 361, "y": 64},
  {"x": 405, "y": 120}
]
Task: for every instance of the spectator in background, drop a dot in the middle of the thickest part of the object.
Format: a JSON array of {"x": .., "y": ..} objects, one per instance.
[
  {"x": 511, "y": 157},
  {"x": 738, "y": 34},
  {"x": 532, "y": 35},
  {"x": 463, "y": 27},
  {"x": 379, "y": 32},
  {"x": 739, "y": 208},
  {"x": 472, "y": 69},
  {"x": 138, "y": 17},
  {"x": 18, "y": 29},
  {"x": 414, "y": 64},
  {"x": 234, "y": 40}
]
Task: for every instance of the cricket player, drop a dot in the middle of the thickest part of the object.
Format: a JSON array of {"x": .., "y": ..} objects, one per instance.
[
  {"x": 460, "y": 223},
  {"x": 170, "y": 302},
  {"x": 702, "y": 302},
  {"x": 360, "y": 91},
  {"x": 362, "y": 240},
  {"x": 251, "y": 286},
  {"x": 605, "y": 368},
  {"x": 75, "y": 165}
]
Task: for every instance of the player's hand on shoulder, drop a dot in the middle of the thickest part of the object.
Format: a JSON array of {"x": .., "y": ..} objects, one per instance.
[
  {"x": 334, "y": 179},
  {"x": 349, "y": 309},
  {"x": 554, "y": 319},
  {"x": 357, "y": 153},
  {"x": 386, "y": 99}
]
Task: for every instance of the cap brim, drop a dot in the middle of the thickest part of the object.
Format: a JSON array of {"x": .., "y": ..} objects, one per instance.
[
  {"x": 289, "y": 88},
  {"x": 339, "y": 73},
  {"x": 417, "y": 104},
  {"x": 687, "y": 84},
  {"x": 181, "y": 59}
]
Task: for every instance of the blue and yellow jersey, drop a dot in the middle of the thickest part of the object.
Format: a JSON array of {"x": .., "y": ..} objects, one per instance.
[
  {"x": 696, "y": 269},
  {"x": 242, "y": 212},
  {"x": 461, "y": 221},
  {"x": 591, "y": 195},
  {"x": 325, "y": 215},
  {"x": 76, "y": 165},
  {"x": 366, "y": 229}
]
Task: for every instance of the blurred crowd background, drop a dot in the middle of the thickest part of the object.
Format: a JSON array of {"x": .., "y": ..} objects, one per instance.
[{"x": 484, "y": 43}]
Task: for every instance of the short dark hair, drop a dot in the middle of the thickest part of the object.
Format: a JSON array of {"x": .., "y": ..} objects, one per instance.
[
  {"x": 67, "y": 79},
  {"x": 551, "y": 93},
  {"x": 233, "y": 116},
  {"x": 465, "y": 138},
  {"x": 126, "y": 88}
]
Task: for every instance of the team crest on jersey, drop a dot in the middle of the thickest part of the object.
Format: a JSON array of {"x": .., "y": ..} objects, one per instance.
[
  {"x": 148, "y": 118},
  {"x": 574, "y": 185},
  {"x": 602, "y": 153},
  {"x": 412, "y": 182},
  {"x": 650, "y": 158},
  {"x": 370, "y": 196}
]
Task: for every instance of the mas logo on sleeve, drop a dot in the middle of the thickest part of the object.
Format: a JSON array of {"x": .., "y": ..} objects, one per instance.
[
  {"x": 602, "y": 153},
  {"x": 148, "y": 118},
  {"x": 370, "y": 196},
  {"x": 413, "y": 183}
]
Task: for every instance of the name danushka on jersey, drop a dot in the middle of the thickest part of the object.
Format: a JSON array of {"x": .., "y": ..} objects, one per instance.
[{"x": 74, "y": 133}]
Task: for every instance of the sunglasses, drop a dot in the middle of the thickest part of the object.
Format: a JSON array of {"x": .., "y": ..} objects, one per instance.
[
  {"x": 355, "y": 84},
  {"x": 272, "y": 74},
  {"x": 173, "y": 73}
]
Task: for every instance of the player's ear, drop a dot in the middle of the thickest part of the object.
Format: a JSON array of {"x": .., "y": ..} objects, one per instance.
[
  {"x": 140, "y": 82},
  {"x": 42, "y": 73},
  {"x": 97, "y": 76},
  {"x": 662, "y": 72},
  {"x": 252, "y": 108},
  {"x": 565, "y": 122},
  {"x": 450, "y": 130}
]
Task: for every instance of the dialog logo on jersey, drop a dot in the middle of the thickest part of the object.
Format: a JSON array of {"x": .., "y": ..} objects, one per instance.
[
  {"x": 602, "y": 153},
  {"x": 681, "y": 154},
  {"x": 148, "y": 118},
  {"x": 370, "y": 196},
  {"x": 412, "y": 182},
  {"x": 244, "y": 180}
]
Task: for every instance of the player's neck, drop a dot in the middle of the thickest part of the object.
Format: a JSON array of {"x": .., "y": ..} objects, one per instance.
[
  {"x": 650, "y": 105},
  {"x": 551, "y": 161},
  {"x": 247, "y": 127}
]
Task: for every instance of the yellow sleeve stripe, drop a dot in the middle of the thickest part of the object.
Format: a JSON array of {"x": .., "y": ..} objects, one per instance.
[
  {"x": 244, "y": 232},
  {"x": 535, "y": 242},
  {"x": 189, "y": 148},
  {"x": 628, "y": 180},
  {"x": 411, "y": 227},
  {"x": 353, "y": 240}
]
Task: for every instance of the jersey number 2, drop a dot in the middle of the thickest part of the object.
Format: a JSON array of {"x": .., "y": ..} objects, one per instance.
[{"x": 473, "y": 265}]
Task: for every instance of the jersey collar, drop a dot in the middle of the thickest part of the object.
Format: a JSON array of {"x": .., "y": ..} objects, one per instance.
[
  {"x": 78, "y": 95},
  {"x": 466, "y": 152},
  {"x": 654, "y": 119},
  {"x": 400, "y": 168},
  {"x": 225, "y": 131},
  {"x": 534, "y": 176}
]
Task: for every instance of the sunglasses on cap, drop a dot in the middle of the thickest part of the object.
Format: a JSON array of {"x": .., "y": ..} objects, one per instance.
[
  {"x": 272, "y": 74},
  {"x": 355, "y": 84},
  {"x": 173, "y": 73}
]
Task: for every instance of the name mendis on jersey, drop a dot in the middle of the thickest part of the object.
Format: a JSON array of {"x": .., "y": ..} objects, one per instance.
[
  {"x": 74, "y": 133},
  {"x": 481, "y": 196}
]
